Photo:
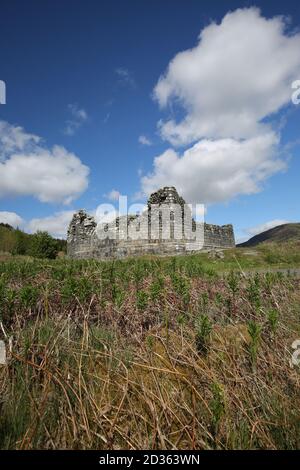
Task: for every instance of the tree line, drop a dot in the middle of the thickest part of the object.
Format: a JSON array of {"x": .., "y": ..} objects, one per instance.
[{"x": 39, "y": 245}]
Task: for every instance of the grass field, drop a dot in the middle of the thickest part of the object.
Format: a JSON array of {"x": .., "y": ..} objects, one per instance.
[{"x": 151, "y": 353}]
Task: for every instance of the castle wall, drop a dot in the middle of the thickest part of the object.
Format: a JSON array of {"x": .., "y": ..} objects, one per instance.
[
  {"x": 146, "y": 234},
  {"x": 112, "y": 249},
  {"x": 218, "y": 237}
]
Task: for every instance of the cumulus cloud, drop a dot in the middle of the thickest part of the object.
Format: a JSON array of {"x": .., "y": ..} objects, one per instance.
[
  {"x": 13, "y": 139},
  {"x": 216, "y": 170},
  {"x": 11, "y": 218},
  {"x": 240, "y": 71},
  {"x": 29, "y": 169},
  {"x": 265, "y": 226},
  {"x": 56, "y": 224},
  {"x": 143, "y": 140},
  {"x": 113, "y": 195},
  {"x": 238, "y": 75},
  {"x": 78, "y": 118}
]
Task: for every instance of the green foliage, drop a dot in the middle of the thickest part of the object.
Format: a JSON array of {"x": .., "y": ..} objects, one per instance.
[
  {"x": 233, "y": 283},
  {"x": 203, "y": 332},
  {"x": 217, "y": 405},
  {"x": 7, "y": 300},
  {"x": 118, "y": 296},
  {"x": 273, "y": 258},
  {"x": 254, "y": 330},
  {"x": 269, "y": 281},
  {"x": 86, "y": 339},
  {"x": 156, "y": 288},
  {"x": 181, "y": 319},
  {"x": 138, "y": 273},
  {"x": 5, "y": 226},
  {"x": 73, "y": 288},
  {"x": 150, "y": 342},
  {"x": 2, "y": 292},
  {"x": 43, "y": 246},
  {"x": 101, "y": 337},
  {"x": 19, "y": 243},
  {"x": 142, "y": 298},
  {"x": 7, "y": 241},
  {"x": 254, "y": 291},
  {"x": 28, "y": 296},
  {"x": 203, "y": 302},
  {"x": 219, "y": 299},
  {"x": 182, "y": 287},
  {"x": 273, "y": 318}
]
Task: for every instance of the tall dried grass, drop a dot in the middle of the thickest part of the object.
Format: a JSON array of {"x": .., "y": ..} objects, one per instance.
[{"x": 147, "y": 354}]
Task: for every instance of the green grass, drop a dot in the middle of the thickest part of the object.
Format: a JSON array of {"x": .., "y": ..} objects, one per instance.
[{"x": 159, "y": 353}]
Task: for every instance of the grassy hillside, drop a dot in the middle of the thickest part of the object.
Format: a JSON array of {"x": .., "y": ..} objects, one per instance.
[
  {"x": 282, "y": 233},
  {"x": 158, "y": 353},
  {"x": 15, "y": 241}
]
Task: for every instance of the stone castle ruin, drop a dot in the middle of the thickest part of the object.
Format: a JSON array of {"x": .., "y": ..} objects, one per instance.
[{"x": 166, "y": 227}]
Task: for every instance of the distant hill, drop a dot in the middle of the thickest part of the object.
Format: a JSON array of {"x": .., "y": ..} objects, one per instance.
[{"x": 279, "y": 234}]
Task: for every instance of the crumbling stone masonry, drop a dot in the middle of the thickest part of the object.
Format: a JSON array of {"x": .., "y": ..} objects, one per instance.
[{"x": 118, "y": 238}]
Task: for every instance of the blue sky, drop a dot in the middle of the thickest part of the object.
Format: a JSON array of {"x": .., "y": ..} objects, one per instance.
[{"x": 83, "y": 75}]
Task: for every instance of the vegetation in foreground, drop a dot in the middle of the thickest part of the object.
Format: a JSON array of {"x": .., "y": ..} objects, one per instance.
[{"x": 153, "y": 353}]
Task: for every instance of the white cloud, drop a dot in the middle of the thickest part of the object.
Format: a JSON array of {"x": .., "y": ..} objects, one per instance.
[
  {"x": 240, "y": 238},
  {"x": 240, "y": 72},
  {"x": 113, "y": 195},
  {"x": 265, "y": 226},
  {"x": 143, "y": 140},
  {"x": 216, "y": 170},
  {"x": 13, "y": 139},
  {"x": 29, "y": 169},
  {"x": 11, "y": 218},
  {"x": 79, "y": 116},
  {"x": 56, "y": 224}
]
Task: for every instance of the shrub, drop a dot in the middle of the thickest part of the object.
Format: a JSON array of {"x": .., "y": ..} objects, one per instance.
[
  {"x": 29, "y": 295},
  {"x": 254, "y": 292},
  {"x": 21, "y": 243},
  {"x": 273, "y": 317},
  {"x": 203, "y": 331},
  {"x": 254, "y": 330},
  {"x": 181, "y": 287},
  {"x": 156, "y": 288},
  {"x": 141, "y": 299},
  {"x": 233, "y": 283},
  {"x": 217, "y": 405},
  {"x": 43, "y": 246}
]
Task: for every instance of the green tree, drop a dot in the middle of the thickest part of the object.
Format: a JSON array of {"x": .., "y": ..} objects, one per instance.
[
  {"x": 21, "y": 243},
  {"x": 43, "y": 246},
  {"x": 7, "y": 238}
]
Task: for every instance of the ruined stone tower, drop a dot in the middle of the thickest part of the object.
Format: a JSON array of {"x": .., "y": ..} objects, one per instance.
[{"x": 165, "y": 228}]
